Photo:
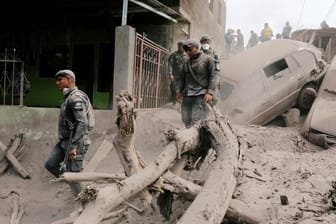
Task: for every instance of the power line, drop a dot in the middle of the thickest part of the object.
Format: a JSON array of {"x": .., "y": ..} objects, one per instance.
[
  {"x": 330, "y": 10},
  {"x": 300, "y": 17}
]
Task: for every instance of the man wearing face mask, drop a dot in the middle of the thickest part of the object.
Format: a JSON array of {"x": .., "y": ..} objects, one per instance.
[
  {"x": 73, "y": 140},
  {"x": 207, "y": 49},
  {"x": 197, "y": 84}
]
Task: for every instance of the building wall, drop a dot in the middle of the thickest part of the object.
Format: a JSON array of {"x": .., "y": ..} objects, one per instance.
[
  {"x": 43, "y": 91},
  {"x": 197, "y": 19},
  {"x": 203, "y": 17}
]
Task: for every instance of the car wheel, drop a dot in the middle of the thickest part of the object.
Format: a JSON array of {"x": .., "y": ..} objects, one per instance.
[{"x": 307, "y": 97}]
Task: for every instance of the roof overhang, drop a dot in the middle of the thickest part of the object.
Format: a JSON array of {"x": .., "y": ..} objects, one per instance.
[{"x": 158, "y": 8}]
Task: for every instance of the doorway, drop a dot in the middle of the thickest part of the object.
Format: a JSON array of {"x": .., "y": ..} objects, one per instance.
[{"x": 83, "y": 67}]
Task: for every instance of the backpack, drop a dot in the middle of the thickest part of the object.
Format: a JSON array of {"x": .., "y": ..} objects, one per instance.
[{"x": 89, "y": 108}]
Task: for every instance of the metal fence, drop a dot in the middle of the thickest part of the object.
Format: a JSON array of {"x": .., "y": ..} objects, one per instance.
[
  {"x": 13, "y": 82},
  {"x": 150, "y": 81}
]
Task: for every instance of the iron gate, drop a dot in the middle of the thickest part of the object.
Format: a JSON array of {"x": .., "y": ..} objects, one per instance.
[
  {"x": 150, "y": 81},
  {"x": 13, "y": 82}
]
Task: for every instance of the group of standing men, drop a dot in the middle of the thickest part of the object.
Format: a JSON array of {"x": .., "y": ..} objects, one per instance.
[
  {"x": 194, "y": 74},
  {"x": 266, "y": 34}
]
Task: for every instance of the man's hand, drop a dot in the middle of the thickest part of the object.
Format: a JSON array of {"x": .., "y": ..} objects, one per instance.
[
  {"x": 178, "y": 97},
  {"x": 72, "y": 153},
  {"x": 207, "y": 98},
  {"x": 171, "y": 77}
]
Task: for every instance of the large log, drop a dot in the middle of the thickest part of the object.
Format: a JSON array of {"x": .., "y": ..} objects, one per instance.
[
  {"x": 212, "y": 202},
  {"x": 111, "y": 196},
  {"x": 124, "y": 140}
]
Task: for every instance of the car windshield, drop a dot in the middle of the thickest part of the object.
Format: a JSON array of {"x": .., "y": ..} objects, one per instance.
[{"x": 225, "y": 90}]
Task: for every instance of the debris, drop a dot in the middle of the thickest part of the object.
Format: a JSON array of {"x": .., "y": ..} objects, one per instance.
[
  {"x": 284, "y": 200},
  {"x": 254, "y": 176},
  {"x": 17, "y": 211},
  {"x": 90, "y": 176},
  {"x": 331, "y": 196},
  {"x": 104, "y": 149},
  {"x": 10, "y": 155},
  {"x": 140, "y": 211}
]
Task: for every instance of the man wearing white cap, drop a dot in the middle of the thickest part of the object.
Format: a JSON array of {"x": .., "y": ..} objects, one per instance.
[{"x": 73, "y": 139}]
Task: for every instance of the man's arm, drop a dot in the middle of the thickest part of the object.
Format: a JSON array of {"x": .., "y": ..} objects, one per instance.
[
  {"x": 171, "y": 66},
  {"x": 180, "y": 84},
  {"x": 79, "y": 111},
  {"x": 212, "y": 76}
]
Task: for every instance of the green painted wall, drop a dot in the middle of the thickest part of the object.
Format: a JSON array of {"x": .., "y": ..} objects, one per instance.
[{"x": 44, "y": 93}]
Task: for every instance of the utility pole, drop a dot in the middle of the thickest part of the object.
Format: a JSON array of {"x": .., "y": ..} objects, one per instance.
[{"x": 124, "y": 13}]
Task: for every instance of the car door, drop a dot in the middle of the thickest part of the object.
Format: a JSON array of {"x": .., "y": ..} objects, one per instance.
[
  {"x": 262, "y": 99},
  {"x": 307, "y": 63},
  {"x": 298, "y": 75},
  {"x": 281, "y": 82}
]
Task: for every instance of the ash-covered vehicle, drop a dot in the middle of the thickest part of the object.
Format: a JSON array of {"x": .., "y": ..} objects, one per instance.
[
  {"x": 265, "y": 81},
  {"x": 320, "y": 124}
]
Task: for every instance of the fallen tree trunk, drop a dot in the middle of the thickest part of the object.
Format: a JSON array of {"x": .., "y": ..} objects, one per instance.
[
  {"x": 212, "y": 202},
  {"x": 124, "y": 140},
  {"x": 210, "y": 205},
  {"x": 111, "y": 196},
  {"x": 90, "y": 176}
]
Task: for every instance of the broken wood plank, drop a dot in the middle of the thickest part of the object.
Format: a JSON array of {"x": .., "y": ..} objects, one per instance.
[
  {"x": 17, "y": 165},
  {"x": 90, "y": 176},
  {"x": 3, "y": 151},
  {"x": 114, "y": 214},
  {"x": 67, "y": 220},
  {"x": 104, "y": 149},
  {"x": 15, "y": 146},
  {"x": 12, "y": 159},
  {"x": 17, "y": 211}
]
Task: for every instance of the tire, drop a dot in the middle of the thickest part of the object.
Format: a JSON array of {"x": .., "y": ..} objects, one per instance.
[{"x": 307, "y": 97}]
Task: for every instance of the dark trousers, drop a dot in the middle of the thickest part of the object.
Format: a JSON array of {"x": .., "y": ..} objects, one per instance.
[
  {"x": 53, "y": 163},
  {"x": 173, "y": 90},
  {"x": 193, "y": 109}
]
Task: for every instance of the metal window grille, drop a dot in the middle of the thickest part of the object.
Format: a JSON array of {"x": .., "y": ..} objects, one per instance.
[
  {"x": 150, "y": 82},
  {"x": 13, "y": 82}
]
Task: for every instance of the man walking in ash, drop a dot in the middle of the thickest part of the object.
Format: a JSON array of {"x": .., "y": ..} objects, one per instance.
[
  {"x": 176, "y": 61},
  {"x": 75, "y": 120},
  {"x": 197, "y": 84}
]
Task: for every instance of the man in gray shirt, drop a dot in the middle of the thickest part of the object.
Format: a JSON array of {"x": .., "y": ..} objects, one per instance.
[
  {"x": 197, "y": 84},
  {"x": 73, "y": 140},
  {"x": 286, "y": 31},
  {"x": 176, "y": 61}
]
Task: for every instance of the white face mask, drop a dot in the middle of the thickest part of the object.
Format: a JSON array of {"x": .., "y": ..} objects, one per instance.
[
  {"x": 206, "y": 46},
  {"x": 65, "y": 91}
]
